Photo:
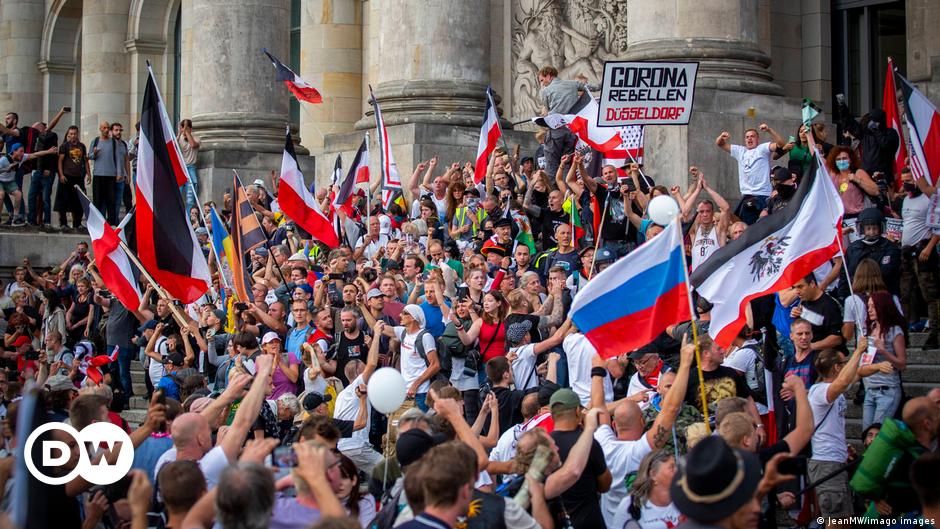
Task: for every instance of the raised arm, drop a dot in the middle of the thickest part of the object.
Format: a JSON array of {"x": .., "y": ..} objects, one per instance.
[
  {"x": 847, "y": 376},
  {"x": 800, "y": 436},
  {"x": 723, "y": 142},
  {"x": 658, "y": 434},
  {"x": 248, "y": 409},
  {"x": 450, "y": 410},
  {"x": 573, "y": 181},
  {"x": 777, "y": 139}
]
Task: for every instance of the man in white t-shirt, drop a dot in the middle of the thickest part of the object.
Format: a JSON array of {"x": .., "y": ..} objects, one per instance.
[
  {"x": 626, "y": 447},
  {"x": 830, "y": 450},
  {"x": 192, "y": 437},
  {"x": 352, "y": 401},
  {"x": 368, "y": 244},
  {"x": 417, "y": 370},
  {"x": 579, "y": 352},
  {"x": 753, "y": 170}
]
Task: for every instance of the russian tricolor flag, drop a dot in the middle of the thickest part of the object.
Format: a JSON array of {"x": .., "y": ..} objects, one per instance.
[{"x": 630, "y": 303}]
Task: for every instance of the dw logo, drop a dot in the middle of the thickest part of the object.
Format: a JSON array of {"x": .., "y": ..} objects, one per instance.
[{"x": 105, "y": 453}]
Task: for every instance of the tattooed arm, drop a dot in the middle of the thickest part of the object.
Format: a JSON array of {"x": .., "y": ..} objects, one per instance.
[{"x": 660, "y": 432}]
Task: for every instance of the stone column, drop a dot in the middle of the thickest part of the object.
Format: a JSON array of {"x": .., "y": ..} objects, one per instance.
[
  {"x": 236, "y": 103},
  {"x": 21, "y": 33},
  {"x": 106, "y": 82},
  {"x": 434, "y": 61},
  {"x": 331, "y": 60},
  {"x": 722, "y": 35}
]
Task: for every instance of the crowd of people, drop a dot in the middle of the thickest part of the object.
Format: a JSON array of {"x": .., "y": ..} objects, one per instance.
[{"x": 258, "y": 410}]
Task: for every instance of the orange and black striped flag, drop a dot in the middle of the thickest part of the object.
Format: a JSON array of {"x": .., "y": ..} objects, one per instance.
[{"x": 246, "y": 235}]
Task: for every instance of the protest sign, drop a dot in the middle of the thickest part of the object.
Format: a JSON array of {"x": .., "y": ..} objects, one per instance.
[{"x": 647, "y": 93}]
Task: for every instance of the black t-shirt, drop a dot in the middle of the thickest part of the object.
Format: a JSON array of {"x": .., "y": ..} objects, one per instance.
[
  {"x": 582, "y": 500},
  {"x": 510, "y": 408},
  {"x": 73, "y": 165},
  {"x": 768, "y": 516},
  {"x": 550, "y": 220},
  {"x": 348, "y": 349},
  {"x": 49, "y": 162},
  {"x": 720, "y": 383},
  {"x": 824, "y": 315},
  {"x": 345, "y": 427},
  {"x": 615, "y": 223}
]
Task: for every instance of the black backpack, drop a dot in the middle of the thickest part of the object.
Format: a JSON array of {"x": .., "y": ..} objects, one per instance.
[{"x": 443, "y": 355}]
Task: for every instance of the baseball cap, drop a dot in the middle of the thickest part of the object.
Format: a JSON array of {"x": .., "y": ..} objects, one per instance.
[
  {"x": 202, "y": 231},
  {"x": 270, "y": 336},
  {"x": 546, "y": 390},
  {"x": 152, "y": 324},
  {"x": 313, "y": 400},
  {"x": 374, "y": 293},
  {"x": 780, "y": 174},
  {"x": 413, "y": 444},
  {"x": 15, "y": 146},
  {"x": 564, "y": 399},
  {"x": 258, "y": 182},
  {"x": 385, "y": 225},
  {"x": 59, "y": 383},
  {"x": 220, "y": 314}
]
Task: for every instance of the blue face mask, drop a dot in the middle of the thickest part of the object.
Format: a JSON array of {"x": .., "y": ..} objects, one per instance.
[{"x": 842, "y": 165}]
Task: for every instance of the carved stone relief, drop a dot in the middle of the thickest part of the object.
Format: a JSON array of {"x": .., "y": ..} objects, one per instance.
[{"x": 574, "y": 36}]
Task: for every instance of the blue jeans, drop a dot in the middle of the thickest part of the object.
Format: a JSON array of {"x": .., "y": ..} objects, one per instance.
[
  {"x": 125, "y": 355},
  {"x": 880, "y": 403},
  {"x": 421, "y": 401},
  {"x": 38, "y": 183},
  {"x": 190, "y": 190}
]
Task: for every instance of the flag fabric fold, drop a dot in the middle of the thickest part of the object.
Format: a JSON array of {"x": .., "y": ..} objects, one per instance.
[
  {"x": 246, "y": 234},
  {"x": 335, "y": 176},
  {"x": 358, "y": 173},
  {"x": 490, "y": 133},
  {"x": 630, "y": 148},
  {"x": 166, "y": 244},
  {"x": 223, "y": 250},
  {"x": 642, "y": 293},
  {"x": 772, "y": 254},
  {"x": 923, "y": 127},
  {"x": 301, "y": 89},
  {"x": 889, "y": 103},
  {"x": 391, "y": 181},
  {"x": 582, "y": 121},
  {"x": 114, "y": 266},
  {"x": 298, "y": 203}
]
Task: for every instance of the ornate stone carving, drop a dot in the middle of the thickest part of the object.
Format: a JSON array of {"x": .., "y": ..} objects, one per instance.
[{"x": 574, "y": 36}]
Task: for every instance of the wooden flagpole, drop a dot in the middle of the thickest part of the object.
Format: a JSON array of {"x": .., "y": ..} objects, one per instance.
[{"x": 156, "y": 286}]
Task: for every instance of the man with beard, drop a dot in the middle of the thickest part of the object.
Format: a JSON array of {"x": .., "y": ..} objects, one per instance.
[
  {"x": 919, "y": 262},
  {"x": 350, "y": 344}
]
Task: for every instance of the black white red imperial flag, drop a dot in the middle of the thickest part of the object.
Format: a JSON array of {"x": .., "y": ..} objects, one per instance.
[
  {"x": 772, "y": 254},
  {"x": 166, "y": 243}
]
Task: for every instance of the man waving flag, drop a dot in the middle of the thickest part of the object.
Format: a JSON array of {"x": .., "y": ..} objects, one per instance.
[
  {"x": 773, "y": 254},
  {"x": 166, "y": 243},
  {"x": 391, "y": 182}
]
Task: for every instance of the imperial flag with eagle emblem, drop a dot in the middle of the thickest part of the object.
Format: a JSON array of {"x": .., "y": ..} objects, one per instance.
[{"x": 772, "y": 254}]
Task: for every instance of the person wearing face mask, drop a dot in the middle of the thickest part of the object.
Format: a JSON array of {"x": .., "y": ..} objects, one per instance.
[
  {"x": 878, "y": 143},
  {"x": 919, "y": 260},
  {"x": 784, "y": 183},
  {"x": 872, "y": 244},
  {"x": 854, "y": 184}
]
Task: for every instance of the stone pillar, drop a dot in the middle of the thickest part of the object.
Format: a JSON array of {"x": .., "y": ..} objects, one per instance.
[
  {"x": 331, "y": 60},
  {"x": 21, "y": 33},
  {"x": 722, "y": 35},
  {"x": 735, "y": 89},
  {"x": 105, "y": 82},
  {"x": 236, "y": 104},
  {"x": 434, "y": 61}
]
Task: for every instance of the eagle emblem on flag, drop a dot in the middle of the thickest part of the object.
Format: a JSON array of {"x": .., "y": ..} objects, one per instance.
[{"x": 768, "y": 258}]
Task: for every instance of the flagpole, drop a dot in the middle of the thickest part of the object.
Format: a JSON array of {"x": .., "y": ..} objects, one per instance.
[
  {"x": 698, "y": 354},
  {"x": 267, "y": 242},
  {"x": 156, "y": 286},
  {"x": 218, "y": 254},
  {"x": 368, "y": 193},
  {"x": 645, "y": 178},
  {"x": 597, "y": 236}
]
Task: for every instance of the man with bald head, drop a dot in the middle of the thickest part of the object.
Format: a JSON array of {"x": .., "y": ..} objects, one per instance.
[
  {"x": 625, "y": 443},
  {"x": 934, "y": 396},
  {"x": 922, "y": 416},
  {"x": 192, "y": 435}
]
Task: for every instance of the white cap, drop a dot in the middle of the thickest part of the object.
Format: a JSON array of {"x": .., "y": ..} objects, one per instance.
[
  {"x": 258, "y": 182},
  {"x": 270, "y": 336},
  {"x": 385, "y": 225}
]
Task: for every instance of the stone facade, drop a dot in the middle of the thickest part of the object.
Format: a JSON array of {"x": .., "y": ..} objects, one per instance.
[{"x": 428, "y": 63}]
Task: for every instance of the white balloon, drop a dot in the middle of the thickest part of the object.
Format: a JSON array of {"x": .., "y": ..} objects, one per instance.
[
  {"x": 663, "y": 209},
  {"x": 386, "y": 390}
]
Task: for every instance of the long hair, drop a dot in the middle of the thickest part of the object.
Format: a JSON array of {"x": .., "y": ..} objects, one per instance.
[
  {"x": 452, "y": 202},
  {"x": 887, "y": 314},
  {"x": 854, "y": 162},
  {"x": 642, "y": 486},
  {"x": 868, "y": 278},
  {"x": 349, "y": 471},
  {"x": 501, "y": 311}
]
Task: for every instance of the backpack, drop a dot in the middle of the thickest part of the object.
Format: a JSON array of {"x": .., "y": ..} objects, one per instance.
[{"x": 441, "y": 353}]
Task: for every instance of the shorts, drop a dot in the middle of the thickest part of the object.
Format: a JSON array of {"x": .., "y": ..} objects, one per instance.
[
  {"x": 833, "y": 496},
  {"x": 9, "y": 187}
]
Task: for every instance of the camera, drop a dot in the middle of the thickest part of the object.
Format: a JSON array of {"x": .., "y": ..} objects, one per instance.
[{"x": 241, "y": 306}]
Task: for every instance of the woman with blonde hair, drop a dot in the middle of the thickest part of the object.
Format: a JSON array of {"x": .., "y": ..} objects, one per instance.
[{"x": 649, "y": 504}]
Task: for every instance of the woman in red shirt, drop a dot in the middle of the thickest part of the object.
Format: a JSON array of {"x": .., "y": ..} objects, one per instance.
[{"x": 490, "y": 328}]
